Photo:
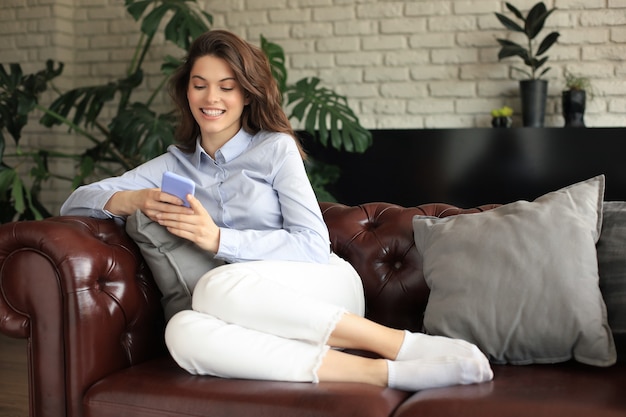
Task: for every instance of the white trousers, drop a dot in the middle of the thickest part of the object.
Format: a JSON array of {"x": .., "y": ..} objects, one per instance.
[{"x": 267, "y": 320}]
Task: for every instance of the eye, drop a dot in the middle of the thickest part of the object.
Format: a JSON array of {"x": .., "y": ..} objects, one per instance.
[
  {"x": 199, "y": 87},
  {"x": 227, "y": 88}
]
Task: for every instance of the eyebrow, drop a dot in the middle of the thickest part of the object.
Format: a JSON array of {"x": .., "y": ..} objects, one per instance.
[{"x": 223, "y": 79}]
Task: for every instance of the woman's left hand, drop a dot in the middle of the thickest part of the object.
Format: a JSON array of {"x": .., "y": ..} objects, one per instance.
[{"x": 197, "y": 227}]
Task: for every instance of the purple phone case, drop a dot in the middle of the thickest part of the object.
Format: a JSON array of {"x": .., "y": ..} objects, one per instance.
[{"x": 178, "y": 186}]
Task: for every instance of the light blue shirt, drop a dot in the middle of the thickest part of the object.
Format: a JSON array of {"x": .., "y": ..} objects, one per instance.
[{"x": 256, "y": 190}]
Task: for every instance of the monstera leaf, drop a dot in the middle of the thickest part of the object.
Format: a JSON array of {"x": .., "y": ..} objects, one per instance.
[
  {"x": 276, "y": 57},
  {"x": 184, "y": 25},
  {"x": 151, "y": 133},
  {"x": 328, "y": 113},
  {"x": 87, "y": 103},
  {"x": 19, "y": 95},
  {"x": 323, "y": 111}
]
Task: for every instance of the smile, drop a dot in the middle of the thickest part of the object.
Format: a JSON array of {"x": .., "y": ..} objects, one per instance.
[{"x": 210, "y": 112}]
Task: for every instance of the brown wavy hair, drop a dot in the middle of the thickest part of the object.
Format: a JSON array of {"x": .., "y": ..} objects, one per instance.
[{"x": 252, "y": 69}]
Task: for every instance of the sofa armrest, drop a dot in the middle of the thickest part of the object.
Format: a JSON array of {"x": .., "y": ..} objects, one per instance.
[{"x": 79, "y": 291}]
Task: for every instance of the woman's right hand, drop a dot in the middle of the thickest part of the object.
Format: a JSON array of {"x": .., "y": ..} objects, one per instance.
[{"x": 151, "y": 201}]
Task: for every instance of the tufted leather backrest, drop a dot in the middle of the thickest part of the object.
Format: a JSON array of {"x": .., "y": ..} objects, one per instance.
[{"x": 377, "y": 239}]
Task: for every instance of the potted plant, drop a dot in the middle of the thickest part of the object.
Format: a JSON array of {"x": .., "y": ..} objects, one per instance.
[
  {"x": 533, "y": 89},
  {"x": 573, "y": 99},
  {"x": 502, "y": 117}
]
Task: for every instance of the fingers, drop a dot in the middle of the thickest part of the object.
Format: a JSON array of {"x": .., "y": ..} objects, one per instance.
[
  {"x": 171, "y": 199},
  {"x": 194, "y": 224},
  {"x": 195, "y": 204}
]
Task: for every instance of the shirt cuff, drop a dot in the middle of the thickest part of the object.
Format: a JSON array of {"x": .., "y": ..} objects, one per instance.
[{"x": 229, "y": 244}]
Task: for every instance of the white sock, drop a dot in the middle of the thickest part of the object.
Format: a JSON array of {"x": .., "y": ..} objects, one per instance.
[
  {"x": 420, "y": 346},
  {"x": 419, "y": 374}
]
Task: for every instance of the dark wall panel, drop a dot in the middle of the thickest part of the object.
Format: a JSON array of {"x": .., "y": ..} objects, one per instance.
[{"x": 469, "y": 167}]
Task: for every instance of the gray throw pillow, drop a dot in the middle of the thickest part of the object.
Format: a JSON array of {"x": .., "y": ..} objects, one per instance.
[
  {"x": 176, "y": 264},
  {"x": 521, "y": 280},
  {"x": 612, "y": 265}
]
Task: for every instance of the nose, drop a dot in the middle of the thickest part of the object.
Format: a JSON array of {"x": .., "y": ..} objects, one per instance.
[{"x": 213, "y": 95}]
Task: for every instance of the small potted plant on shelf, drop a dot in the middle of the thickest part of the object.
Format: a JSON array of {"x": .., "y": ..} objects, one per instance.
[
  {"x": 573, "y": 99},
  {"x": 533, "y": 89},
  {"x": 502, "y": 117}
]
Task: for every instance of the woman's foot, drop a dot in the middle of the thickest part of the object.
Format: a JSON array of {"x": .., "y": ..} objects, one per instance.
[
  {"x": 423, "y": 346},
  {"x": 435, "y": 372}
]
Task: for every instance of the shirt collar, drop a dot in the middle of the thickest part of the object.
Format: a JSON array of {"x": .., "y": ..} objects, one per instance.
[{"x": 229, "y": 151}]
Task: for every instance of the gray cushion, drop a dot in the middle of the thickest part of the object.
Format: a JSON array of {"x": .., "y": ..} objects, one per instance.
[
  {"x": 612, "y": 265},
  {"x": 176, "y": 264},
  {"x": 521, "y": 280}
]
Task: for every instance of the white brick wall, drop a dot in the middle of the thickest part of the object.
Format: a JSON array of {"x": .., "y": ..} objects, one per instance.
[
  {"x": 402, "y": 64},
  {"x": 415, "y": 54}
]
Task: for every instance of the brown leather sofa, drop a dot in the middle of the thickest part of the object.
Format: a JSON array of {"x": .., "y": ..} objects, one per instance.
[{"x": 79, "y": 291}]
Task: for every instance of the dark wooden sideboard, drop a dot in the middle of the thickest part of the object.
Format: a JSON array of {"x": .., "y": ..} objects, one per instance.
[{"x": 470, "y": 167}]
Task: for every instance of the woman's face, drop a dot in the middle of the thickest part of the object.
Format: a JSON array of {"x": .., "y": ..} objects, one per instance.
[{"x": 216, "y": 100}]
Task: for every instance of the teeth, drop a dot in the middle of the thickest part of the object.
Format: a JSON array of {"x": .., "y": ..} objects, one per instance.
[{"x": 212, "y": 112}]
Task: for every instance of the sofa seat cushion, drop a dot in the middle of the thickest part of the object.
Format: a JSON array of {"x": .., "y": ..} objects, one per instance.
[
  {"x": 159, "y": 387},
  {"x": 567, "y": 389}
]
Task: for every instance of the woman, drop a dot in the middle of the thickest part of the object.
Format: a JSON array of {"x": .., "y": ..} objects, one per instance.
[{"x": 275, "y": 299}]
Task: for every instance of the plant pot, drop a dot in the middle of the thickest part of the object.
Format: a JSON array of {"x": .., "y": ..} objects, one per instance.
[
  {"x": 533, "y": 95},
  {"x": 501, "y": 121},
  {"x": 573, "y": 104}
]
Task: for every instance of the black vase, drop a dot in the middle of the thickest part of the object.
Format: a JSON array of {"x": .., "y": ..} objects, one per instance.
[
  {"x": 573, "y": 103},
  {"x": 533, "y": 94}
]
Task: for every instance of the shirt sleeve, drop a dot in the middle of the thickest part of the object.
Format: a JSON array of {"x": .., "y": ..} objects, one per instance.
[
  {"x": 303, "y": 235},
  {"x": 89, "y": 200}
]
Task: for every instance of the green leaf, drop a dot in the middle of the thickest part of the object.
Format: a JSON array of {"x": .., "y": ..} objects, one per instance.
[
  {"x": 345, "y": 131},
  {"x": 19, "y": 95},
  {"x": 184, "y": 27},
  {"x": 536, "y": 20},
  {"x": 311, "y": 119},
  {"x": 151, "y": 22},
  {"x": 299, "y": 109},
  {"x": 320, "y": 175},
  {"x": 40, "y": 171},
  {"x": 85, "y": 169},
  {"x": 544, "y": 71},
  {"x": 512, "y": 49},
  {"x": 151, "y": 133},
  {"x": 11, "y": 80},
  {"x": 515, "y": 11},
  {"x": 6, "y": 179},
  {"x": 537, "y": 63},
  {"x": 335, "y": 136},
  {"x": 184, "y": 24},
  {"x": 322, "y": 129},
  {"x": 547, "y": 42},
  {"x": 88, "y": 102},
  {"x": 137, "y": 8},
  {"x": 509, "y": 24},
  {"x": 17, "y": 194},
  {"x": 276, "y": 57},
  {"x": 170, "y": 65}
]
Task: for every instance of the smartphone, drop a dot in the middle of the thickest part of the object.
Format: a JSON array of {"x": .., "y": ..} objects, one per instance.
[{"x": 178, "y": 186}]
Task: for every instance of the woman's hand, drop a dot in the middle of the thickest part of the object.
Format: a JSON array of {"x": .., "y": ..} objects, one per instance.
[
  {"x": 194, "y": 224},
  {"x": 151, "y": 201}
]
